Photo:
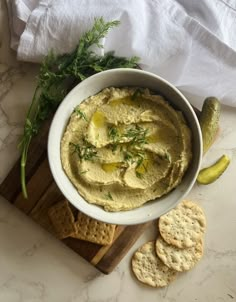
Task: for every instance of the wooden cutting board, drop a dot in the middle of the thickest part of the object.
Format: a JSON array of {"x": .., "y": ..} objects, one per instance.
[{"x": 43, "y": 193}]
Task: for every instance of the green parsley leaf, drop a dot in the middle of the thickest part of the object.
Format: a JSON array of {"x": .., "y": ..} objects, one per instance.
[
  {"x": 83, "y": 172},
  {"x": 137, "y": 134},
  {"x": 81, "y": 114},
  {"x": 108, "y": 196},
  {"x": 138, "y": 93},
  {"x": 85, "y": 151},
  {"x": 138, "y": 174}
]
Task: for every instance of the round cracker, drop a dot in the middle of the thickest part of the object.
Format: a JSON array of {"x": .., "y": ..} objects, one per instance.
[
  {"x": 149, "y": 269},
  {"x": 183, "y": 226},
  {"x": 179, "y": 259}
]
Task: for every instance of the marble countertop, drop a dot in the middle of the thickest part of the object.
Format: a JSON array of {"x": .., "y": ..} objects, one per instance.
[{"x": 34, "y": 267}]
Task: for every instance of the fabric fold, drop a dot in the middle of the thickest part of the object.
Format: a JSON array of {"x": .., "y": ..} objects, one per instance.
[{"x": 192, "y": 45}]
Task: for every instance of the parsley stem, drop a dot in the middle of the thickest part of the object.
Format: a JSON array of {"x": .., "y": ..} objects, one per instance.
[
  {"x": 22, "y": 170},
  {"x": 24, "y": 144}
]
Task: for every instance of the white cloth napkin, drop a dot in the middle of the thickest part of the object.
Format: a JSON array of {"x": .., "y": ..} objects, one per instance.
[{"x": 190, "y": 43}]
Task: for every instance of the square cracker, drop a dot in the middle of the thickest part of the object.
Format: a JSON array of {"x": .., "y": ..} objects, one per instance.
[
  {"x": 92, "y": 230},
  {"x": 62, "y": 219}
]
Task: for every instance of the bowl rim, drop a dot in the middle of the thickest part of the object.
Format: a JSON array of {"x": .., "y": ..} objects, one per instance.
[{"x": 114, "y": 217}]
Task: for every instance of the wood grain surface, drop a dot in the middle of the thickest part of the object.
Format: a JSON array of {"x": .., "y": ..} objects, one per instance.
[{"x": 43, "y": 193}]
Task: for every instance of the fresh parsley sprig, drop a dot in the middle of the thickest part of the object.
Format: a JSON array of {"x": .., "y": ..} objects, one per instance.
[{"x": 58, "y": 74}]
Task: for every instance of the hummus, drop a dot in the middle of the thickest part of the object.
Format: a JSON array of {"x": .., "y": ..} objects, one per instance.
[{"x": 124, "y": 147}]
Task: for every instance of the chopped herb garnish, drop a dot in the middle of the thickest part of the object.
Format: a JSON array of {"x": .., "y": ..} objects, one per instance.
[
  {"x": 136, "y": 94},
  {"x": 137, "y": 134},
  {"x": 114, "y": 147},
  {"x": 134, "y": 156},
  {"x": 113, "y": 134},
  {"x": 83, "y": 172},
  {"x": 128, "y": 156},
  {"x": 138, "y": 174},
  {"x": 108, "y": 196},
  {"x": 85, "y": 151},
  {"x": 81, "y": 114},
  {"x": 165, "y": 156},
  {"x": 139, "y": 162},
  {"x": 145, "y": 167}
]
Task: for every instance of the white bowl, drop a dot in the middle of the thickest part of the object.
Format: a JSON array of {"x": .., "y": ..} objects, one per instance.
[{"x": 119, "y": 78}]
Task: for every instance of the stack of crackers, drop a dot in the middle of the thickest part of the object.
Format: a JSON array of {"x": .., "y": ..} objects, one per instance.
[
  {"x": 178, "y": 248},
  {"x": 68, "y": 222}
]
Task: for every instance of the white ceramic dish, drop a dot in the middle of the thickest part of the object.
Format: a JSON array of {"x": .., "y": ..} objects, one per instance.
[{"x": 119, "y": 78}]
